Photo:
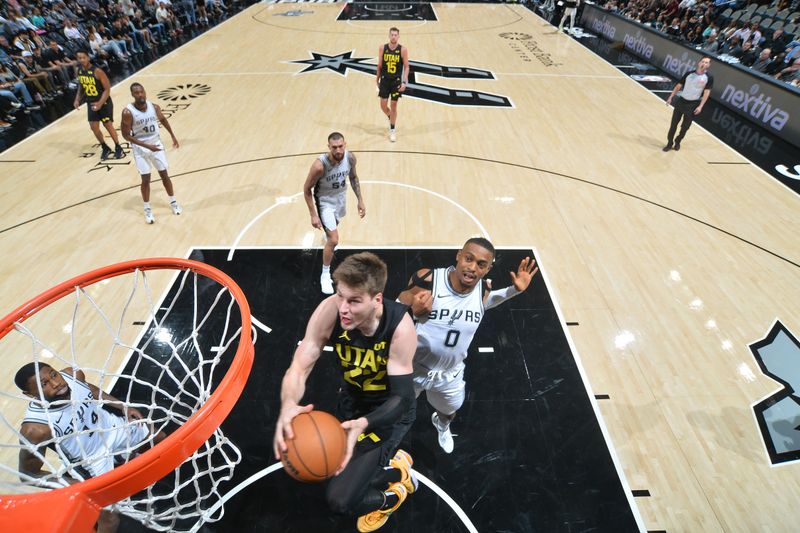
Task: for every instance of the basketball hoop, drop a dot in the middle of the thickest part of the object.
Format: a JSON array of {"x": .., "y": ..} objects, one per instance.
[{"x": 75, "y": 508}]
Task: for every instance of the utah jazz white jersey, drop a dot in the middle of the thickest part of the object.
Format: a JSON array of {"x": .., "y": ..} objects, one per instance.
[
  {"x": 145, "y": 124},
  {"x": 85, "y": 432},
  {"x": 333, "y": 182},
  {"x": 443, "y": 339}
]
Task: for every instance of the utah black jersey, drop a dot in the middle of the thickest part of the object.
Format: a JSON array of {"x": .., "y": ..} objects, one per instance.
[
  {"x": 92, "y": 87},
  {"x": 392, "y": 65},
  {"x": 363, "y": 359}
]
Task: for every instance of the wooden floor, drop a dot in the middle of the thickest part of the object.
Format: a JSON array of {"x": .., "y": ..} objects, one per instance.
[{"x": 671, "y": 265}]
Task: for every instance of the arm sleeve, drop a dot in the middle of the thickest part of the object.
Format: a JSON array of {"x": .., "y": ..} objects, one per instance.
[
  {"x": 419, "y": 281},
  {"x": 401, "y": 398},
  {"x": 499, "y": 296}
]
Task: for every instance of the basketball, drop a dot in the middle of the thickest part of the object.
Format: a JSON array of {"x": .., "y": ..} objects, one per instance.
[{"x": 317, "y": 449}]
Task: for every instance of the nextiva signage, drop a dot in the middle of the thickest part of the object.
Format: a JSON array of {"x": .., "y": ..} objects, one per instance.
[{"x": 760, "y": 99}]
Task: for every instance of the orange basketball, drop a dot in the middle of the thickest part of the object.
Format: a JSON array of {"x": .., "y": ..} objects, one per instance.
[{"x": 317, "y": 449}]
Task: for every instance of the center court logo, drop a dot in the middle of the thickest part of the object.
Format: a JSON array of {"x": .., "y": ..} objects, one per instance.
[
  {"x": 515, "y": 36},
  {"x": 184, "y": 92},
  {"x": 638, "y": 45},
  {"x": 756, "y": 105}
]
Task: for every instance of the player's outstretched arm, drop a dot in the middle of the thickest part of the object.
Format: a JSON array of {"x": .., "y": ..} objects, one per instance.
[
  {"x": 520, "y": 280},
  {"x": 314, "y": 174},
  {"x": 305, "y": 357},
  {"x": 418, "y": 293},
  {"x": 400, "y": 370}
]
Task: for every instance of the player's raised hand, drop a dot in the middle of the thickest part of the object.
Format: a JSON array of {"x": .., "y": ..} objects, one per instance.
[
  {"x": 354, "y": 428},
  {"x": 283, "y": 429},
  {"x": 525, "y": 271},
  {"x": 316, "y": 222},
  {"x": 422, "y": 303}
]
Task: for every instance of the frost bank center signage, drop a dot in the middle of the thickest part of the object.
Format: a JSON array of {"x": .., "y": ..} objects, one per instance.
[{"x": 764, "y": 101}]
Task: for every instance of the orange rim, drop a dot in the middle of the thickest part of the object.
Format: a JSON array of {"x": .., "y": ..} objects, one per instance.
[{"x": 76, "y": 508}]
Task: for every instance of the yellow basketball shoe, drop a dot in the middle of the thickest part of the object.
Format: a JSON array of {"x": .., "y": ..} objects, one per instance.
[
  {"x": 402, "y": 461},
  {"x": 376, "y": 519}
]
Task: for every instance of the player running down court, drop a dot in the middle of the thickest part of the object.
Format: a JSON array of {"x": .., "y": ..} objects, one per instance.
[
  {"x": 392, "y": 77},
  {"x": 449, "y": 304}
]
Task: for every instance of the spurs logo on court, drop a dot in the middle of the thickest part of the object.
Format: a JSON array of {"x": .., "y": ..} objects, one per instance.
[
  {"x": 463, "y": 97},
  {"x": 184, "y": 92},
  {"x": 778, "y": 415}
]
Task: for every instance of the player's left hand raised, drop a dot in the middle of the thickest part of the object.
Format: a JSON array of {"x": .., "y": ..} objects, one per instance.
[
  {"x": 525, "y": 271},
  {"x": 354, "y": 428}
]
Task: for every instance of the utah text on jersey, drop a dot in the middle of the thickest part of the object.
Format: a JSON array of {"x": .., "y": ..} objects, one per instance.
[{"x": 363, "y": 366}]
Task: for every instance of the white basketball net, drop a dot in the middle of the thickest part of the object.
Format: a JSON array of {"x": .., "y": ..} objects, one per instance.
[{"x": 162, "y": 361}]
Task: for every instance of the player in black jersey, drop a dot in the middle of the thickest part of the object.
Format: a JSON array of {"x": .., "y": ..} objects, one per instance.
[
  {"x": 94, "y": 85},
  {"x": 392, "y": 77},
  {"x": 375, "y": 341}
]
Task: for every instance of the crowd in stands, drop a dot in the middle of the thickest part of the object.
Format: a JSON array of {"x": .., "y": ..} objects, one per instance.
[
  {"x": 763, "y": 37},
  {"x": 39, "y": 39}
]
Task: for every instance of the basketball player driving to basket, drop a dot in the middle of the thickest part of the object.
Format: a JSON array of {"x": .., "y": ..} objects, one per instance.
[{"x": 375, "y": 342}]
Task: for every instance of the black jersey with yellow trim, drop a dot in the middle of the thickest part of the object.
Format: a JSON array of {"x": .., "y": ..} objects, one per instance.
[
  {"x": 392, "y": 65},
  {"x": 92, "y": 86},
  {"x": 363, "y": 359}
]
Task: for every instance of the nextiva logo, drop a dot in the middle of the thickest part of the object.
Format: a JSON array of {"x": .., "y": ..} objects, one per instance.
[
  {"x": 756, "y": 105},
  {"x": 638, "y": 45},
  {"x": 603, "y": 27},
  {"x": 678, "y": 66}
]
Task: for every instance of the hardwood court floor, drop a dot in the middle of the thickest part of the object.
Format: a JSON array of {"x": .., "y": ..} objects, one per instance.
[{"x": 670, "y": 265}]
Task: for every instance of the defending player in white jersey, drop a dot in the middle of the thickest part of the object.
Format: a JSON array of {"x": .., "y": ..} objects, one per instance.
[
  {"x": 140, "y": 128},
  {"x": 325, "y": 191},
  {"x": 67, "y": 415},
  {"x": 449, "y": 304}
]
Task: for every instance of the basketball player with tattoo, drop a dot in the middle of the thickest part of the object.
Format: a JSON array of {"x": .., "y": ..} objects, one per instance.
[
  {"x": 449, "y": 304},
  {"x": 93, "y": 84},
  {"x": 392, "y": 77},
  {"x": 325, "y": 192},
  {"x": 374, "y": 340}
]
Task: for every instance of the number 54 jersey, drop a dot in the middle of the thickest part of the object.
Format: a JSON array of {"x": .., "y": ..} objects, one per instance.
[{"x": 444, "y": 337}]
